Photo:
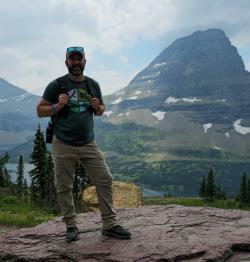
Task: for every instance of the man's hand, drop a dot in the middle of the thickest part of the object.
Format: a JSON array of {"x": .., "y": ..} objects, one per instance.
[
  {"x": 63, "y": 100},
  {"x": 95, "y": 103}
]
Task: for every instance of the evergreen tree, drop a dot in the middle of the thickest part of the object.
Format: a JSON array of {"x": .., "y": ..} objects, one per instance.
[
  {"x": 219, "y": 192},
  {"x": 3, "y": 161},
  {"x": 210, "y": 185},
  {"x": 33, "y": 194},
  {"x": 25, "y": 190},
  {"x": 248, "y": 192},
  {"x": 51, "y": 196},
  {"x": 38, "y": 159},
  {"x": 202, "y": 191},
  {"x": 20, "y": 177},
  {"x": 81, "y": 181},
  {"x": 2, "y": 178},
  {"x": 243, "y": 189},
  {"x": 7, "y": 177},
  {"x": 84, "y": 179},
  {"x": 77, "y": 186}
]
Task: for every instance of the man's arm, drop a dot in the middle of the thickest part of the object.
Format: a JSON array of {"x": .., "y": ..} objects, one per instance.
[{"x": 46, "y": 108}]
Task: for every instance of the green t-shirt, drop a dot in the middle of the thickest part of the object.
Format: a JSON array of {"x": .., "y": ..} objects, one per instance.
[{"x": 75, "y": 125}]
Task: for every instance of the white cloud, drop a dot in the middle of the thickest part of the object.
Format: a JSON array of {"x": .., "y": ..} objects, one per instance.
[{"x": 34, "y": 34}]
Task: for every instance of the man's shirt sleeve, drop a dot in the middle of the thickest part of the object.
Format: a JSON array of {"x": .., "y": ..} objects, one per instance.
[{"x": 51, "y": 92}]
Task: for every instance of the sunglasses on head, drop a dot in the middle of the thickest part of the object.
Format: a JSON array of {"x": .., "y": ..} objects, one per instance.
[{"x": 74, "y": 49}]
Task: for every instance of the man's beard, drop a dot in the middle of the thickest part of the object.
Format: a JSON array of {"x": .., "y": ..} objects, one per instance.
[{"x": 76, "y": 70}]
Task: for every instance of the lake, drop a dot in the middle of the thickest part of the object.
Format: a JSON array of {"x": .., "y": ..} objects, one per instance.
[{"x": 12, "y": 169}]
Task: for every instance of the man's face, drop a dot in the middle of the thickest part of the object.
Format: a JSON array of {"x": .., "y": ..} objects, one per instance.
[{"x": 75, "y": 64}]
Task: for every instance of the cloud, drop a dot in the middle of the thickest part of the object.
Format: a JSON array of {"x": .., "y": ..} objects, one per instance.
[
  {"x": 111, "y": 80},
  {"x": 35, "y": 34}
]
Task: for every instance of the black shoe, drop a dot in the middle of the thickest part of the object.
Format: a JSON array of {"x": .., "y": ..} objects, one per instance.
[
  {"x": 117, "y": 231},
  {"x": 72, "y": 234}
]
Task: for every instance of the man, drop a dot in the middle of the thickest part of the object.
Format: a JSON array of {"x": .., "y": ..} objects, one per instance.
[{"x": 71, "y": 101}]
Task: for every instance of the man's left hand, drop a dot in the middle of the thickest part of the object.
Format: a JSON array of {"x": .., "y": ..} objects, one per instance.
[{"x": 95, "y": 103}]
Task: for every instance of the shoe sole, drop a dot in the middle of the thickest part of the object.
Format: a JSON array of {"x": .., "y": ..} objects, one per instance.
[{"x": 116, "y": 236}]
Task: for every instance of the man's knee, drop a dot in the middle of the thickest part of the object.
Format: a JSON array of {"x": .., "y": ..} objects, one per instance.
[{"x": 107, "y": 179}]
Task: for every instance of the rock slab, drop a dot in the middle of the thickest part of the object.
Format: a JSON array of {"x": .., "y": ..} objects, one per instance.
[{"x": 160, "y": 233}]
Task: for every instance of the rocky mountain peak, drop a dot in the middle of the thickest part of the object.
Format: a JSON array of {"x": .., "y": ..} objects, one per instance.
[
  {"x": 8, "y": 90},
  {"x": 200, "y": 59}
]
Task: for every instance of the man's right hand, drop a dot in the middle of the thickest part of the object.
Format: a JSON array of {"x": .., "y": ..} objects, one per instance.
[{"x": 63, "y": 100}]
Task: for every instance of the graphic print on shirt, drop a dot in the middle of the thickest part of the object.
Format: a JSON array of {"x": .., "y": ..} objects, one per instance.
[{"x": 79, "y": 100}]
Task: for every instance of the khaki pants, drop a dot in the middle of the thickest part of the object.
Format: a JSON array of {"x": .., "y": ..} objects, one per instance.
[{"x": 65, "y": 159}]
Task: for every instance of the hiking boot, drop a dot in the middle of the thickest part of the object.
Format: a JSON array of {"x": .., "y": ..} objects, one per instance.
[
  {"x": 72, "y": 233},
  {"x": 117, "y": 232}
]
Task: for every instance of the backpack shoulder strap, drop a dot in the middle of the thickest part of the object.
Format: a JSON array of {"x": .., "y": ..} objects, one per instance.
[
  {"x": 62, "y": 83},
  {"x": 90, "y": 84}
]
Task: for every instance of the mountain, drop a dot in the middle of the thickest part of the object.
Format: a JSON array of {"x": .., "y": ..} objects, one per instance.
[
  {"x": 196, "y": 91},
  {"x": 18, "y": 118},
  {"x": 187, "y": 112}
]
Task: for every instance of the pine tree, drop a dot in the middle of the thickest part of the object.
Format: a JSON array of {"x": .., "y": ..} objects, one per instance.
[
  {"x": 7, "y": 177},
  {"x": 20, "y": 177},
  {"x": 81, "y": 181},
  {"x": 202, "y": 191},
  {"x": 25, "y": 191},
  {"x": 77, "y": 186},
  {"x": 3, "y": 161},
  {"x": 51, "y": 195},
  {"x": 210, "y": 185},
  {"x": 33, "y": 194},
  {"x": 2, "y": 178},
  {"x": 38, "y": 159},
  {"x": 243, "y": 189},
  {"x": 248, "y": 192}
]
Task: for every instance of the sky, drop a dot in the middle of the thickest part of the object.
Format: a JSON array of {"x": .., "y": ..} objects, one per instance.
[{"x": 120, "y": 37}]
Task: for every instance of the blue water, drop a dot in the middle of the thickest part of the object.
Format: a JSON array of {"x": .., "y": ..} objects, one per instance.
[
  {"x": 12, "y": 169},
  {"x": 146, "y": 192}
]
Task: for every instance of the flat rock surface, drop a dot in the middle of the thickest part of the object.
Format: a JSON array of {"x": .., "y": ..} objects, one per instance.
[{"x": 160, "y": 233}]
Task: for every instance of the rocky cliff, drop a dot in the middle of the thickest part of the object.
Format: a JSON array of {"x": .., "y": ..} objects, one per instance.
[{"x": 160, "y": 233}]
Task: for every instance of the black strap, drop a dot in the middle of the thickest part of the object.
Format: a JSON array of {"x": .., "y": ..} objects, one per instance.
[
  {"x": 90, "y": 88},
  {"x": 63, "y": 84}
]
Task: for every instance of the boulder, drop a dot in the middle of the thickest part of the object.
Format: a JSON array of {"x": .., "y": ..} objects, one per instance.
[
  {"x": 159, "y": 233},
  {"x": 125, "y": 195}
]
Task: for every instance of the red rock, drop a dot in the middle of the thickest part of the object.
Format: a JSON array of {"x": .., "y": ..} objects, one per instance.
[{"x": 160, "y": 233}]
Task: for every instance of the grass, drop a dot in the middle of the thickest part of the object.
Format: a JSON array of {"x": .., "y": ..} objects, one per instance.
[
  {"x": 14, "y": 211},
  {"x": 189, "y": 201}
]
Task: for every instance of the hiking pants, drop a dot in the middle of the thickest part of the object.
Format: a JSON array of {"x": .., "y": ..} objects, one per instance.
[{"x": 65, "y": 159}]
